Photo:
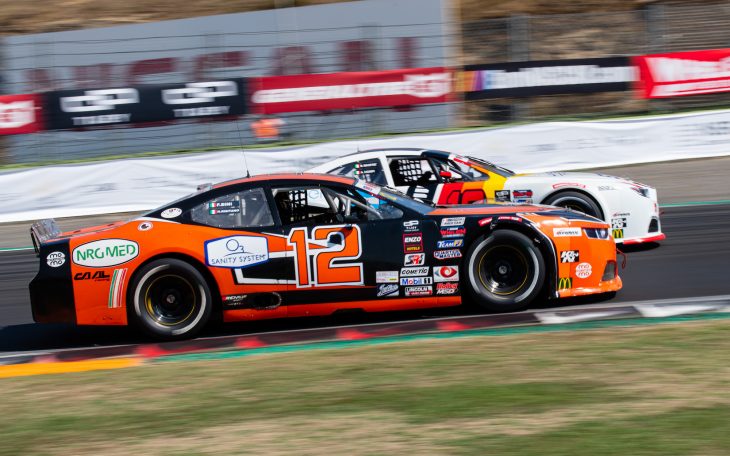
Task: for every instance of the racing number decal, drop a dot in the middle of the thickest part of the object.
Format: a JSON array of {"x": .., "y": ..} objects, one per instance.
[{"x": 327, "y": 251}]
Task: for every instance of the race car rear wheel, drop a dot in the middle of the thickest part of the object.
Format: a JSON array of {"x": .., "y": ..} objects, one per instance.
[
  {"x": 505, "y": 271},
  {"x": 170, "y": 299},
  {"x": 576, "y": 201}
]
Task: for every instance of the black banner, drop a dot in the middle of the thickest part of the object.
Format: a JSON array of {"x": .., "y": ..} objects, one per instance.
[
  {"x": 68, "y": 109},
  {"x": 547, "y": 77}
]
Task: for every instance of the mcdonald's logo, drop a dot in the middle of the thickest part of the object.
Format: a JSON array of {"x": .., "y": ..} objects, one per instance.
[
  {"x": 565, "y": 283},
  {"x": 618, "y": 233}
]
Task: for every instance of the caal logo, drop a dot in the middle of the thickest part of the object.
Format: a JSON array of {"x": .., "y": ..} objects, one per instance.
[
  {"x": 105, "y": 253},
  {"x": 565, "y": 283},
  {"x": 98, "y": 275}
]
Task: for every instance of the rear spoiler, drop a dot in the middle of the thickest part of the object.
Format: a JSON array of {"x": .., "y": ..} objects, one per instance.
[{"x": 42, "y": 231}]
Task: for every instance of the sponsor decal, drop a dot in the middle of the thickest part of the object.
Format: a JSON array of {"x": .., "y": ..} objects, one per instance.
[
  {"x": 145, "y": 226},
  {"x": 386, "y": 276},
  {"x": 446, "y": 274},
  {"x": 547, "y": 77},
  {"x": 173, "y": 212},
  {"x": 521, "y": 194},
  {"x": 501, "y": 196},
  {"x": 453, "y": 221},
  {"x": 447, "y": 288},
  {"x": 450, "y": 243},
  {"x": 447, "y": 254},
  {"x": 583, "y": 270},
  {"x": 410, "y": 272},
  {"x": 568, "y": 184},
  {"x": 236, "y": 251},
  {"x": 567, "y": 232},
  {"x": 453, "y": 232},
  {"x": 569, "y": 256},
  {"x": 411, "y": 225},
  {"x": 98, "y": 276},
  {"x": 234, "y": 299},
  {"x": 618, "y": 222},
  {"x": 105, "y": 253},
  {"x": 605, "y": 188},
  {"x": 565, "y": 283},
  {"x": 509, "y": 218},
  {"x": 116, "y": 296},
  {"x": 418, "y": 291},
  {"x": 362, "y": 89},
  {"x": 412, "y": 243},
  {"x": 684, "y": 73},
  {"x": 414, "y": 259},
  {"x": 18, "y": 114},
  {"x": 56, "y": 259},
  {"x": 485, "y": 221},
  {"x": 416, "y": 281},
  {"x": 387, "y": 290},
  {"x": 617, "y": 233}
]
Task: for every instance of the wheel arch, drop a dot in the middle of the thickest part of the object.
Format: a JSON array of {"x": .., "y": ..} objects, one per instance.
[
  {"x": 602, "y": 205},
  {"x": 204, "y": 271},
  {"x": 544, "y": 244}
]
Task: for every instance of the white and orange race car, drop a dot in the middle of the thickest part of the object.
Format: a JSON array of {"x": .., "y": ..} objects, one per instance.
[
  {"x": 445, "y": 178},
  {"x": 303, "y": 245}
]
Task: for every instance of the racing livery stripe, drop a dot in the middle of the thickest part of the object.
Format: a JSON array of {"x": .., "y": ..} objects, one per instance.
[{"x": 115, "y": 289}]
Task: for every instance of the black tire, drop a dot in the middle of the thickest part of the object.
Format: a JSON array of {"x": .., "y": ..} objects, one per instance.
[
  {"x": 504, "y": 271},
  {"x": 576, "y": 201},
  {"x": 169, "y": 299}
]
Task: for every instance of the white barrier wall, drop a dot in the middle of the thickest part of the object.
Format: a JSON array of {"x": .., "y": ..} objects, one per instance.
[{"x": 139, "y": 184}]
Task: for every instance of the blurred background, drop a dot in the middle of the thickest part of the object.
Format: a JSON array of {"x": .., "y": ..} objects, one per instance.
[{"x": 68, "y": 47}]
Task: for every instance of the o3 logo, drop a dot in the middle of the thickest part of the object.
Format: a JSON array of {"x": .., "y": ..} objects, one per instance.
[{"x": 325, "y": 258}]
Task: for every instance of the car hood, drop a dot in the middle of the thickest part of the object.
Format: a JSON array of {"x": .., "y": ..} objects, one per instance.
[
  {"x": 567, "y": 177},
  {"x": 508, "y": 208}
]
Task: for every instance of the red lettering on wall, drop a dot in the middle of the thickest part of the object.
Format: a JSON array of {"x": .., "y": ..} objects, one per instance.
[
  {"x": 356, "y": 56},
  {"x": 407, "y": 52},
  {"x": 151, "y": 66},
  {"x": 291, "y": 60},
  {"x": 217, "y": 60}
]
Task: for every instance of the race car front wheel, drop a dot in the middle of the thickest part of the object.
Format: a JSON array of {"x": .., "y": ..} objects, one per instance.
[
  {"x": 505, "y": 271},
  {"x": 170, "y": 299},
  {"x": 576, "y": 201}
]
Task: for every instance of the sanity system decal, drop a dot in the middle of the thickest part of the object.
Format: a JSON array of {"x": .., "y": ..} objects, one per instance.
[{"x": 236, "y": 251}]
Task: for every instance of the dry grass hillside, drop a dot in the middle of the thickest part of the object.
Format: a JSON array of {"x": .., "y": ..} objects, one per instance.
[{"x": 57, "y": 15}]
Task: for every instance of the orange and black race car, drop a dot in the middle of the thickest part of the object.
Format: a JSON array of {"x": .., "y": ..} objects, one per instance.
[{"x": 305, "y": 244}]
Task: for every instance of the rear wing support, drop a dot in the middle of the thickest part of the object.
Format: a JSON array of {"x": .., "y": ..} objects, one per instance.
[{"x": 42, "y": 231}]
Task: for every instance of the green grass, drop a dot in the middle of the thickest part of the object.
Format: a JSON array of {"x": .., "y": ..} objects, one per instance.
[{"x": 652, "y": 390}]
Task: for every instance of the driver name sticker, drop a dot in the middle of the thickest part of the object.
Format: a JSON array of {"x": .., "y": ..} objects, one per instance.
[{"x": 236, "y": 251}]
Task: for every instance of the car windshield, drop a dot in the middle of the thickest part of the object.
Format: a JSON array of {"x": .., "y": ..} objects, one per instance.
[{"x": 504, "y": 172}]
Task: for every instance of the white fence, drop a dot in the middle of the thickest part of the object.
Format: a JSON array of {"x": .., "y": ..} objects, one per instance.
[{"x": 139, "y": 184}]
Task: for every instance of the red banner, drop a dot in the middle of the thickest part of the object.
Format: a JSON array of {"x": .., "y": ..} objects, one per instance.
[
  {"x": 684, "y": 73},
  {"x": 19, "y": 114},
  {"x": 363, "y": 89}
]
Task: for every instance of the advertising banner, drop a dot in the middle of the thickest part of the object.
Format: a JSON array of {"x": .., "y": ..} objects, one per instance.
[
  {"x": 139, "y": 184},
  {"x": 351, "y": 90},
  {"x": 68, "y": 109},
  {"x": 546, "y": 77},
  {"x": 684, "y": 73},
  {"x": 19, "y": 114}
]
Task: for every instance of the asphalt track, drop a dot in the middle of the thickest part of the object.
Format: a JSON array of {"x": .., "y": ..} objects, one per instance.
[{"x": 694, "y": 261}]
